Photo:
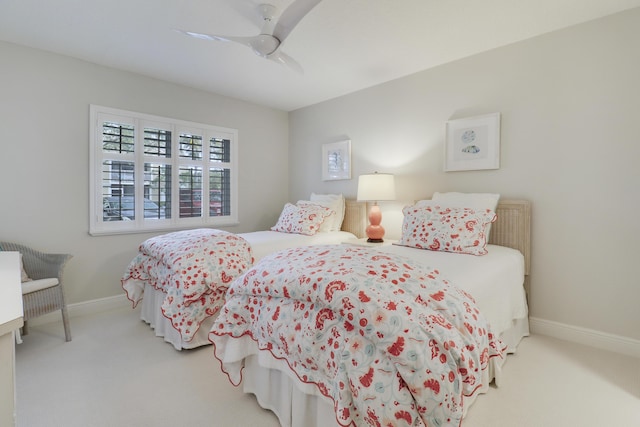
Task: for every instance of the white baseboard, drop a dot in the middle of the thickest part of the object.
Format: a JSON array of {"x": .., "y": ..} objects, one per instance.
[
  {"x": 84, "y": 308},
  {"x": 590, "y": 337}
]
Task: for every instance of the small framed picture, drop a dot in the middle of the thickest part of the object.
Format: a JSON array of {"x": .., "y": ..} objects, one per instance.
[
  {"x": 336, "y": 160},
  {"x": 473, "y": 143}
]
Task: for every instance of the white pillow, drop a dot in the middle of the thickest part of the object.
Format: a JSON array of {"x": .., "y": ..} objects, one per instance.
[
  {"x": 334, "y": 202},
  {"x": 469, "y": 200}
]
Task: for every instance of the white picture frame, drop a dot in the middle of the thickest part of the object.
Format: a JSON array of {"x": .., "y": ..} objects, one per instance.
[
  {"x": 473, "y": 143},
  {"x": 336, "y": 160}
]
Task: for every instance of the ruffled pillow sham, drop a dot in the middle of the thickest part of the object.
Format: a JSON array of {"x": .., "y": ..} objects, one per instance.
[
  {"x": 328, "y": 223},
  {"x": 477, "y": 201},
  {"x": 437, "y": 227},
  {"x": 303, "y": 219},
  {"x": 334, "y": 202}
]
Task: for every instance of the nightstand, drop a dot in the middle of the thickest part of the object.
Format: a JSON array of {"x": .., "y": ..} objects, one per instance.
[{"x": 363, "y": 242}]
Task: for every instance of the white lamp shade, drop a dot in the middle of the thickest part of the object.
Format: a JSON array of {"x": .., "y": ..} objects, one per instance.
[{"x": 376, "y": 187}]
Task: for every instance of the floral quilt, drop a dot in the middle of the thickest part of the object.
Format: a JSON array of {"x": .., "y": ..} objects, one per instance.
[
  {"x": 391, "y": 343},
  {"x": 193, "y": 268}
]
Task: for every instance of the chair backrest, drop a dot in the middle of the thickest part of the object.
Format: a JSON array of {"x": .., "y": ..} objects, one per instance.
[{"x": 39, "y": 265}]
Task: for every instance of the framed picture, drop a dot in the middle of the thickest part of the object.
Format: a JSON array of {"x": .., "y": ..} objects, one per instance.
[
  {"x": 336, "y": 160},
  {"x": 473, "y": 143}
]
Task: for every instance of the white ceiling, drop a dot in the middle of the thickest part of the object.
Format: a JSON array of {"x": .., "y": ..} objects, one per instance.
[{"x": 343, "y": 45}]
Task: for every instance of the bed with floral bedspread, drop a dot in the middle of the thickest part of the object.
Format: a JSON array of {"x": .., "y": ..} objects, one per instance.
[
  {"x": 387, "y": 340},
  {"x": 193, "y": 269}
]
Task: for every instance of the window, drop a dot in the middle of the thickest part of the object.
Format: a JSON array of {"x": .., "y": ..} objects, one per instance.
[{"x": 155, "y": 173}]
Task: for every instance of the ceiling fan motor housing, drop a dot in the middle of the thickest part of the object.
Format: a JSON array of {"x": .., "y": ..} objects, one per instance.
[{"x": 264, "y": 44}]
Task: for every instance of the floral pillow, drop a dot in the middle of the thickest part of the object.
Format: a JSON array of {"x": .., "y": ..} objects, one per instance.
[
  {"x": 304, "y": 219},
  {"x": 438, "y": 227},
  {"x": 475, "y": 201},
  {"x": 329, "y": 221},
  {"x": 334, "y": 202}
]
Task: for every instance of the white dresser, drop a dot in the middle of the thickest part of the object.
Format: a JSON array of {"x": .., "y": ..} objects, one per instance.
[{"x": 10, "y": 320}]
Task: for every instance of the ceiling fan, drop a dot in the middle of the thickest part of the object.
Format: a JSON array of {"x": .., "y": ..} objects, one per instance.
[{"x": 272, "y": 34}]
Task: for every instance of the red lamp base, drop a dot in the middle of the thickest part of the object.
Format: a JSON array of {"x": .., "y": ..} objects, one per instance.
[{"x": 375, "y": 232}]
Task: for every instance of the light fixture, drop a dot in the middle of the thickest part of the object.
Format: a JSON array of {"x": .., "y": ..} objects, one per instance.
[{"x": 375, "y": 187}]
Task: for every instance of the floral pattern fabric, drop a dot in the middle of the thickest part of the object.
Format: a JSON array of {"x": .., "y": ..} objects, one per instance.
[
  {"x": 449, "y": 229},
  {"x": 328, "y": 224},
  {"x": 389, "y": 342},
  {"x": 301, "y": 219},
  {"x": 193, "y": 268}
]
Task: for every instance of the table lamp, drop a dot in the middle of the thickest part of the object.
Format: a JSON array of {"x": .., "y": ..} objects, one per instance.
[{"x": 375, "y": 187}]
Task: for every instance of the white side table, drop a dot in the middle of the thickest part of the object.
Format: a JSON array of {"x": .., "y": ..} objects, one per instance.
[{"x": 363, "y": 242}]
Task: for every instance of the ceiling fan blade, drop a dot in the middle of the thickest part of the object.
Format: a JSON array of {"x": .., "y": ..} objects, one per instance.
[
  {"x": 291, "y": 16},
  {"x": 202, "y": 36},
  {"x": 267, "y": 12},
  {"x": 282, "y": 58}
]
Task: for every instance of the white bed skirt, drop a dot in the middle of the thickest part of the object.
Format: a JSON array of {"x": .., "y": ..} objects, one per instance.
[
  {"x": 301, "y": 405},
  {"x": 151, "y": 313}
]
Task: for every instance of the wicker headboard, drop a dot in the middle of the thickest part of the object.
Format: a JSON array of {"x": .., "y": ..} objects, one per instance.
[
  {"x": 355, "y": 218},
  {"x": 512, "y": 228}
]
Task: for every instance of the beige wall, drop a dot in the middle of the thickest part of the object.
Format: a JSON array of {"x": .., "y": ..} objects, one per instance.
[
  {"x": 570, "y": 104},
  {"x": 44, "y": 157}
]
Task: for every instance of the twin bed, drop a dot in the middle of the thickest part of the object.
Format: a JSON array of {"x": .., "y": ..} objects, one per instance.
[
  {"x": 338, "y": 334},
  {"x": 151, "y": 277}
]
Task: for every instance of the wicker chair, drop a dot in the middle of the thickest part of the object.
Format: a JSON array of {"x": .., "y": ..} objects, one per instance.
[{"x": 44, "y": 294}]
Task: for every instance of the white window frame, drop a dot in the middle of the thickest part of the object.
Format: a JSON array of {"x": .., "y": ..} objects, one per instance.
[{"x": 97, "y": 224}]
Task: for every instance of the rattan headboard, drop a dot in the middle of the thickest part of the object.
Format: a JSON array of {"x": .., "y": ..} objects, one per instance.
[
  {"x": 355, "y": 218},
  {"x": 511, "y": 229}
]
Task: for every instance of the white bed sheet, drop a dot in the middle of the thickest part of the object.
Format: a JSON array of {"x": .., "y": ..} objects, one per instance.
[
  {"x": 495, "y": 280},
  {"x": 267, "y": 242},
  {"x": 262, "y": 243}
]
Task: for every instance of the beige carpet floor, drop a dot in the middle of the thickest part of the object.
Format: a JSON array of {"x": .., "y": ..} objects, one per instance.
[{"x": 116, "y": 373}]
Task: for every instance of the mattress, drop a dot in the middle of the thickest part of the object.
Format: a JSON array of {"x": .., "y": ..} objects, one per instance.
[{"x": 495, "y": 280}]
